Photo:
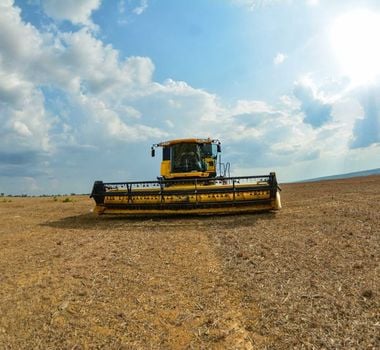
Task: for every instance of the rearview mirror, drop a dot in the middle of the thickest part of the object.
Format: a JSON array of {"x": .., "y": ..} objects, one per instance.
[
  {"x": 153, "y": 152},
  {"x": 218, "y": 148}
]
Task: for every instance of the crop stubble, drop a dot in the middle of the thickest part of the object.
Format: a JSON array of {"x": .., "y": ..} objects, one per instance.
[{"x": 305, "y": 277}]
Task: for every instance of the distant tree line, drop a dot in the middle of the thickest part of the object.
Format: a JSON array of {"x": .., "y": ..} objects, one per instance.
[{"x": 43, "y": 195}]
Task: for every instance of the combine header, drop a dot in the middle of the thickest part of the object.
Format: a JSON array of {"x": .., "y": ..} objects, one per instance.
[{"x": 193, "y": 181}]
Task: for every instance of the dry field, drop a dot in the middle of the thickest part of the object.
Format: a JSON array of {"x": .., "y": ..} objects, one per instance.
[{"x": 304, "y": 278}]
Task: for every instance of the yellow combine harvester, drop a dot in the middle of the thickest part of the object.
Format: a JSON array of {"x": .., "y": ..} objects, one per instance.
[{"x": 193, "y": 181}]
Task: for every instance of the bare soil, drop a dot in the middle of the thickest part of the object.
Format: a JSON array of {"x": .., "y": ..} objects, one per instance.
[{"x": 306, "y": 277}]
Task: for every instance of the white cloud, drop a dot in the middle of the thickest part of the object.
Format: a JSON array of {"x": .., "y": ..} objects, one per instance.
[
  {"x": 14, "y": 90},
  {"x": 257, "y": 4},
  {"x": 366, "y": 130},
  {"x": 19, "y": 42},
  {"x": 244, "y": 106},
  {"x": 129, "y": 9},
  {"x": 24, "y": 123},
  {"x": 141, "y": 8},
  {"x": 251, "y": 4},
  {"x": 279, "y": 58},
  {"x": 21, "y": 128},
  {"x": 75, "y": 11},
  {"x": 315, "y": 107},
  {"x": 75, "y": 64},
  {"x": 112, "y": 125}
]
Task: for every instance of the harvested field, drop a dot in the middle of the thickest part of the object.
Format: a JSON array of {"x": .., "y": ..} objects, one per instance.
[{"x": 306, "y": 277}]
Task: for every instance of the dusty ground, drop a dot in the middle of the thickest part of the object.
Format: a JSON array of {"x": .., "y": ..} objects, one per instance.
[{"x": 306, "y": 277}]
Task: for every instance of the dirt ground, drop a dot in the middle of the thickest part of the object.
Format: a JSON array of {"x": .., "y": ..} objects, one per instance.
[{"x": 306, "y": 277}]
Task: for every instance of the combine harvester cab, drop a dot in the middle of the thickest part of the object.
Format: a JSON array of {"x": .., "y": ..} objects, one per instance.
[{"x": 193, "y": 181}]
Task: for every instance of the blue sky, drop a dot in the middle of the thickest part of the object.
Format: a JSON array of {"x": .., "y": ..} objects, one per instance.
[{"x": 86, "y": 86}]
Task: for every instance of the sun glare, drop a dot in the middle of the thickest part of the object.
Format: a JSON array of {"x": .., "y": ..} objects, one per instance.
[{"x": 355, "y": 41}]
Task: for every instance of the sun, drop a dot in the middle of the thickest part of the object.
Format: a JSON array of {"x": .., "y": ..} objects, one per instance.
[{"x": 355, "y": 41}]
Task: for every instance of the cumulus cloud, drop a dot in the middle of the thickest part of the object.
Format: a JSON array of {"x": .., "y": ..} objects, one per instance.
[
  {"x": 14, "y": 91},
  {"x": 24, "y": 122},
  {"x": 75, "y": 11},
  {"x": 112, "y": 124},
  {"x": 260, "y": 135},
  {"x": 77, "y": 63},
  {"x": 316, "y": 109},
  {"x": 89, "y": 75},
  {"x": 21, "y": 128},
  {"x": 367, "y": 128},
  {"x": 19, "y": 42}
]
